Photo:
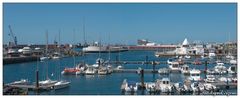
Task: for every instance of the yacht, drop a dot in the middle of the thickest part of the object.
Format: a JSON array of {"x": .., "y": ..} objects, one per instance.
[
  {"x": 185, "y": 69},
  {"x": 56, "y": 55},
  {"x": 103, "y": 71},
  {"x": 150, "y": 87},
  {"x": 130, "y": 86},
  {"x": 209, "y": 87},
  {"x": 27, "y": 51},
  {"x": 13, "y": 52},
  {"x": 90, "y": 70},
  {"x": 210, "y": 79},
  {"x": 187, "y": 85},
  {"x": 195, "y": 75},
  {"x": 164, "y": 71},
  {"x": 164, "y": 85},
  {"x": 220, "y": 68},
  {"x": 174, "y": 67}
]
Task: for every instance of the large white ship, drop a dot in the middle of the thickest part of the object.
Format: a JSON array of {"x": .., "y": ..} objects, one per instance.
[{"x": 103, "y": 49}]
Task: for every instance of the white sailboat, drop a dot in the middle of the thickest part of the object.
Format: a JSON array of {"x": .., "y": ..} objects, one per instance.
[{"x": 62, "y": 83}]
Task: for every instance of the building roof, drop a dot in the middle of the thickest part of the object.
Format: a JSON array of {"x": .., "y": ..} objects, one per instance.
[{"x": 185, "y": 42}]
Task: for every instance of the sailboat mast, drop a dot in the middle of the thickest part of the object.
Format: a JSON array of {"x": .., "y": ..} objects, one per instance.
[
  {"x": 84, "y": 40},
  {"x": 74, "y": 62},
  {"x": 47, "y": 53},
  {"x": 59, "y": 52},
  {"x": 108, "y": 47}
]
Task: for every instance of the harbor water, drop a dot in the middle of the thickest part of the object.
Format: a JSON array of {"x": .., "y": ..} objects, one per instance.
[{"x": 93, "y": 84}]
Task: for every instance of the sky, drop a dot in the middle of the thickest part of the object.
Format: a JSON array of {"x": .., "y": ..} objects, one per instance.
[{"x": 120, "y": 23}]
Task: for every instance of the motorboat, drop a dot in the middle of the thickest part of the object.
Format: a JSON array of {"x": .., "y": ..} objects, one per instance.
[
  {"x": 195, "y": 75},
  {"x": 164, "y": 71},
  {"x": 61, "y": 84},
  {"x": 90, "y": 70},
  {"x": 220, "y": 68},
  {"x": 56, "y": 55},
  {"x": 197, "y": 87},
  {"x": 43, "y": 58},
  {"x": 103, "y": 71},
  {"x": 232, "y": 69},
  {"x": 150, "y": 87},
  {"x": 164, "y": 85},
  {"x": 179, "y": 87},
  {"x": 174, "y": 67},
  {"x": 233, "y": 62},
  {"x": 129, "y": 86},
  {"x": 210, "y": 79},
  {"x": 185, "y": 69},
  {"x": 187, "y": 85},
  {"x": 209, "y": 87},
  {"x": 26, "y": 51},
  {"x": 13, "y": 52},
  {"x": 187, "y": 56},
  {"x": 211, "y": 71},
  {"x": 79, "y": 69}
]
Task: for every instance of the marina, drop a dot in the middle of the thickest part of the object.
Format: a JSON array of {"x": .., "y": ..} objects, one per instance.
[
  {"x": 130, "y": 69},
  {"x": 120, "y": 49}
]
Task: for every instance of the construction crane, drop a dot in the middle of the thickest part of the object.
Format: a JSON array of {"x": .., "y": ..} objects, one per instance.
[{"x": 14, "y": 38}]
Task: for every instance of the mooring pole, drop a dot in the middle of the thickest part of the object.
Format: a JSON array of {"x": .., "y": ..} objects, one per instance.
[
  {"x": 205, "y": 71},
  {"x": 37, "y": 81}
]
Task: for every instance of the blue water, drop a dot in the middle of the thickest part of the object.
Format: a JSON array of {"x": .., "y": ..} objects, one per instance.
[{"x": 93, "y": 84}]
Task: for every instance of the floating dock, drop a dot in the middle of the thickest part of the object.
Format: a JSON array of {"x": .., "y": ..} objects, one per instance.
[{"x": 12, "y": 60}]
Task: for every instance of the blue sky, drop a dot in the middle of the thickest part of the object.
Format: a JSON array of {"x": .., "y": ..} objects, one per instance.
[{"x": 124, "y": 23}]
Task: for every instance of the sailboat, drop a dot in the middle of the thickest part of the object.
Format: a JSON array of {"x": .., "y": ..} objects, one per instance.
[
  {"x": 78, "y": 69},
  {"x": 48, "y": 81},
  {"x": 45, "y": 57},
  {"x": 62, "y": 83}
]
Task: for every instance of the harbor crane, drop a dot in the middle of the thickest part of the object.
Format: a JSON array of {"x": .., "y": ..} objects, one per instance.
[{"x": 14, "y": 38}]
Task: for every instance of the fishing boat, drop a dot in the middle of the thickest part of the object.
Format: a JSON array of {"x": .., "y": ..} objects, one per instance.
[
  {"x": 174, "y": 67},
  {"x": 185, "y": 69},
  {"x": 165, "y": 85},
  {"x": 220, "y": 68},
  {"x": 61, "y": 84},
  {"x": 195, "y": 75},
  {"x": 210, "y": 79}
]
